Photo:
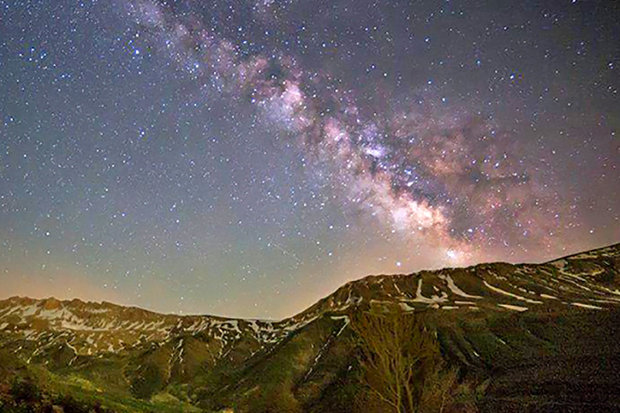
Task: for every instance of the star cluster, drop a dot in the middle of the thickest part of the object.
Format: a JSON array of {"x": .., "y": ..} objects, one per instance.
[{"x": 246, "y": 158}]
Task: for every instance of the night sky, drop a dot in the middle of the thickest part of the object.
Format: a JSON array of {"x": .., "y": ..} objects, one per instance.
[{"x": 246, "y": 158}]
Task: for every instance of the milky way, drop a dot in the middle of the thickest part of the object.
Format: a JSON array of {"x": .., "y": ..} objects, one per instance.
[
  {"x": 444, "y": 178},
  {"x": 452, "y": 178},
  {"x": 384, "y": 138}
]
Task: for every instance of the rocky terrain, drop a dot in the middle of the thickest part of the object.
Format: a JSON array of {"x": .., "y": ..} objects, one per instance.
[{"x": 544, "y": 337}]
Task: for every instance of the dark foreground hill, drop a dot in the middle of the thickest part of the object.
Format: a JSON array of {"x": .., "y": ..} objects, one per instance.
[{"x": 529, "y": 337}]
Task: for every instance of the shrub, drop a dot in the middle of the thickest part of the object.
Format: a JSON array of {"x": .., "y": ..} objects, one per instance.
[
  {"x": 148, "y": 380},
  {"x": 24, "y": 389}
]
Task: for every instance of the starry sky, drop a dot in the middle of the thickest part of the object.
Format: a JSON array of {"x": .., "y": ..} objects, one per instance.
[{"x": 247, "y": 157}]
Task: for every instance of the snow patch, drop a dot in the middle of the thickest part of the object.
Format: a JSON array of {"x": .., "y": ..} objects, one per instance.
[
  {"x": 513, "y": 307},
  {"x": 346, "y": 319},
  {"x": 592, "y": 307},
  {"x": 419, "y": 298},
  {"x": 518, "y": 297},
  {"x": 455, "y": 289},
  {"x": 406, "y": 307}
]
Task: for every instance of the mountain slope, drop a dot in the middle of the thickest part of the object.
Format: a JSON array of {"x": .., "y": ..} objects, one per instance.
[{"x": 546, "y": 335}]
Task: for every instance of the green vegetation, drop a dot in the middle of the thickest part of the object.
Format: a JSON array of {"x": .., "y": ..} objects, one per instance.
[{"x": 381, "y": 344}]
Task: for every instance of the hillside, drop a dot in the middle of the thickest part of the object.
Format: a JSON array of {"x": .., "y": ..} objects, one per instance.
[{"x": 543, "y": 337}]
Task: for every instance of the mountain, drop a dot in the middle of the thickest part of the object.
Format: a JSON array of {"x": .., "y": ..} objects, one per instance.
[{"x": 531, "y": 337}]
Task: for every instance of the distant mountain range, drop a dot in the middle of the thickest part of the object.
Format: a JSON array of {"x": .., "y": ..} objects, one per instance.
[{"x": 544, "y": 337}]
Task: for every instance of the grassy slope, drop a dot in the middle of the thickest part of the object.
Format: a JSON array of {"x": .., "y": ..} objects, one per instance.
[
  {"x": 547, "y": 359},
  {"x": 550, "y": 361}
]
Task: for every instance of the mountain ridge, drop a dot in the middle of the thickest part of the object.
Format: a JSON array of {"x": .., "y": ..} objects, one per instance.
[
  {"x": 366, "y": 277},
  {"x": 438, "y": 289},
  {"x": 490, "y": 319}
]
